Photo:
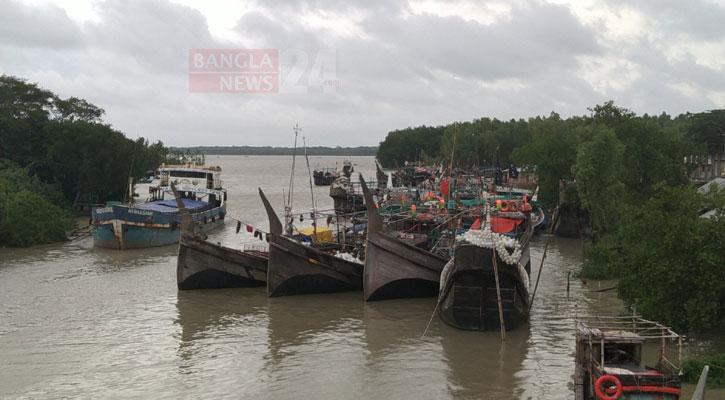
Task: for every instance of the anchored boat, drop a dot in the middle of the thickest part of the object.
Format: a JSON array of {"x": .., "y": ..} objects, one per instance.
[
  {"x": 205, "y": 265},
  {"x": 300, "y": 267},
  {"x": 325, "y": 176},
  {"x": 610, "y": 360},
  {"x": 157, "y": 222},
  {"x": 486, "y": 283},
  {"x": 394, "y": 267}
]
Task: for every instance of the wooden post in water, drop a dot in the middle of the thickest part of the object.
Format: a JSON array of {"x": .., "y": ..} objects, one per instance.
[
  {"x": 568, "y": 274},
  {"x": 498, "y": 296}
]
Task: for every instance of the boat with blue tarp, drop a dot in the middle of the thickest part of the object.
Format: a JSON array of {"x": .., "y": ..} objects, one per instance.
[{"x": 157, "y": 222}]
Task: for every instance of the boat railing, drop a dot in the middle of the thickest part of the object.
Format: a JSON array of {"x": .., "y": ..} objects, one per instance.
[
  {"x": 255, "y": 247},
  {"x": 601, "y": 329}
]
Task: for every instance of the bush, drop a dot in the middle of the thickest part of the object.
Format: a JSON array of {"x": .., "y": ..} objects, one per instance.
[
  {"x": 32, "y": 219},
  {"x": 601, "y": 260},
  {"x": 692, "y": 368}
]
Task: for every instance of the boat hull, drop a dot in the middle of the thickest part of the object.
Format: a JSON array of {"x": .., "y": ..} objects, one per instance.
[
  {"x": 395, "y": 269},
  {"x": 123, "y": 228},
  {"x": 295, "y": 268},
  {"x": 469, "y": 298},
  {"x": 204, "y": 265}
]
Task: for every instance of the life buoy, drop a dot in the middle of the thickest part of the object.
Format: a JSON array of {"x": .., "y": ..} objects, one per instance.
[
  {"x": 606, "y": 378},
  {"x": 513, "y": 206},
  {"x": 504, "y": 205}
]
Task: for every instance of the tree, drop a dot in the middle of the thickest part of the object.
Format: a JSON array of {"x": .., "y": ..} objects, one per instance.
[
  {"x": 27, "y": 213},
  {"x": 673, "y": 260},
  {"x": 552, "y": 149},
  {"x": 597, "y": 172}
]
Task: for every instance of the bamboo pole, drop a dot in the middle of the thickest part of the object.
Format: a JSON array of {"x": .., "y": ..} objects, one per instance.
[
  {"x": 541, "y": 265},
  {"x": 498, "y": 296},
  {"x": 290, "y": 195}
]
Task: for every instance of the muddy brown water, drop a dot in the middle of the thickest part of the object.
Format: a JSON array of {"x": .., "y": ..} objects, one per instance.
[{"x": 77, "y": 321}]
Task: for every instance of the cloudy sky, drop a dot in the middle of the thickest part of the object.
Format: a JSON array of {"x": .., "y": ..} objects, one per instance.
[{"x": 351, "y": 73}]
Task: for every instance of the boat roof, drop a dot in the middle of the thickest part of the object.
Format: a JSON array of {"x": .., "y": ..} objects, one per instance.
[
  {"x": 190, "y": 167},
  {"x": 622, "y": 328},
  {"x": 170, "y": 206}
]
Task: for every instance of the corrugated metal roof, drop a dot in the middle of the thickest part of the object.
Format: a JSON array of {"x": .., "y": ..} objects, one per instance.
[{"x": 720, "y": 182}]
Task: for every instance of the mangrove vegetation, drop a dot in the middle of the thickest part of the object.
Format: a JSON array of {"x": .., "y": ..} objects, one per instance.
[
  {"x": 630, "y": 174},
  {"x": 53, "y": 149}
]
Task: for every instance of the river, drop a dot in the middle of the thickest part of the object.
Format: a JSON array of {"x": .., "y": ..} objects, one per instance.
[{"x": 78, "y": 321}]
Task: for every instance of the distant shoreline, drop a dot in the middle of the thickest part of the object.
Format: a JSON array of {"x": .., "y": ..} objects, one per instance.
[{"x": 280, "y": 151}]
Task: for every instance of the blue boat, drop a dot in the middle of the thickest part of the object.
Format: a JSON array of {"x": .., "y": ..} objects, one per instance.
[{"x": 157, "y": 222}]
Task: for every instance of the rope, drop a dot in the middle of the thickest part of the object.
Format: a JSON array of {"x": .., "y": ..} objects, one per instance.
[{"x": 431, "y": 319}]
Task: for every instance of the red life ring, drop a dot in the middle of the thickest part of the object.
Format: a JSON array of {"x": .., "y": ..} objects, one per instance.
[
  {"x": 605, "y": 378},
  {"x": 504, "y": 205},
  {"x": 513, "y": 206}
]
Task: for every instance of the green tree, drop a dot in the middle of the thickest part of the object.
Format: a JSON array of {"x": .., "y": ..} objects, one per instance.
[
  {"x": 597, "y": 172},
  {"x": 27, "y": 213},
  {"x": 673, "y": 260},
  {"x": 552, "y": 149}
]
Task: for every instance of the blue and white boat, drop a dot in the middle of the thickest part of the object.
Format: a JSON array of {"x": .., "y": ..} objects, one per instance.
[{"x": 157, "y": 222}]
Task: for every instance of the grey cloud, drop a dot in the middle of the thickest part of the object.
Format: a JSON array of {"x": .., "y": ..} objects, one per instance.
[
  {"x": 700, "y": 19},
  {"x": 156, "y": 34},
  {"x": 46, "y": 26},
  {"x": 422, "y": 69}
]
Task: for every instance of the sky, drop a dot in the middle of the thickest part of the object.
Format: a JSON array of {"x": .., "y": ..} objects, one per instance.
[{"x": 350, "y": 72}]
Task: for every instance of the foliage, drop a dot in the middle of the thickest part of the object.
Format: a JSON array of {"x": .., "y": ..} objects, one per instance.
[
  {"x": 52, "y": 149},
  {"x": 601, "y": 259},
  {"x": 64, "y": 142},
  {"x": 27, "y": 214},
  {"x": 552, "y": 149},
  {"x": 32, "y": 219},
  {"x": 673, "y": 270},
  {"x": 707, "y": 130},
  {"x": 598, "y": 172},
  {"x": 692, "y": 368},
  {"x": 404, "y": 145}
]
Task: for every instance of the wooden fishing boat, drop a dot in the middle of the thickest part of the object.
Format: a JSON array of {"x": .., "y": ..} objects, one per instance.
[
  {"x": 345, "y": 200},
  {"x": 205, "y": 265},
  {"x": 394, "y": 267},
  {"x": 297, "y": 268},
  {"x": 471, "y": 296},
  {"x": 538, "y": 218},
  {"x": 325, "y": 176},
  {"x": 609, "y": 360}
]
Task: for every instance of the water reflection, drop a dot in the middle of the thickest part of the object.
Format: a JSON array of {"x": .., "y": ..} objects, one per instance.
[
  {"x": 315, "y": 338},
  {"x": 481, "y": 366},
  {"x": 205, "y": 315}
]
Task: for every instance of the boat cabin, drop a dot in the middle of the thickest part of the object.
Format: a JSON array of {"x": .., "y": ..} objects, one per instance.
[
  {"x": 196, "y": 182},
  {"x": 610, "y": 363},
  {"x": 190, "y": 175}
]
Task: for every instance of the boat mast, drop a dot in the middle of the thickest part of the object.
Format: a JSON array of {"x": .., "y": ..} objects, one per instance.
[
  {"x": 312, "y": 193},
  {"x": 290, "y": 194},
  {"x": 453, "y": 153}
]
